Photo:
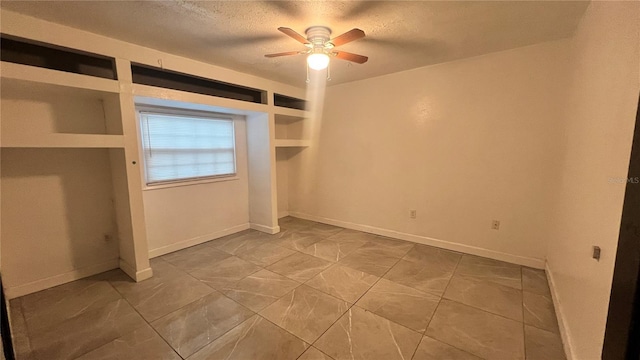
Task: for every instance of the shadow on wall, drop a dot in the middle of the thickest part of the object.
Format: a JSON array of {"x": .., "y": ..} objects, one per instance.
[{"x": 68, "y": 194}]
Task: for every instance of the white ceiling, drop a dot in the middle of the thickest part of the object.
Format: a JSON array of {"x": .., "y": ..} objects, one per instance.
[{"x": 236, "y": 34}]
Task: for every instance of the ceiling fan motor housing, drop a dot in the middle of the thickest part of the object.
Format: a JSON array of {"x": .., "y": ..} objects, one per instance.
[{"x": 318, "y": 37}]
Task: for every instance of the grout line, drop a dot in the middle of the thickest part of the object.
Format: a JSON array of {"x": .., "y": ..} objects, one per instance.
[
  {"x": 442, "y": 295},
  {"x": 145, "y": 320},
  {"x": 26, "y": 326},
  {"x": 354, "y": 303},
  {"x": 224, "y": 333},
  {"x": 424, "y": 333}
]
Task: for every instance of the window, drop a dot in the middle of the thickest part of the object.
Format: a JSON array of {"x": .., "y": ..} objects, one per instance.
[{"x": 180, "y": 145}]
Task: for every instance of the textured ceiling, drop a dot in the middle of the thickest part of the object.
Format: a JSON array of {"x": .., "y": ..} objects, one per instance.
[{"x": 236, "y": 34}]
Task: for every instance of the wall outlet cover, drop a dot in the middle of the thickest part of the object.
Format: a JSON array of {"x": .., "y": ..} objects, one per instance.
[{"x": 495, "y": 225}]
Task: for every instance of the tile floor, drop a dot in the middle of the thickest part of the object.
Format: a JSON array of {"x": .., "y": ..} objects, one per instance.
[{"x": 313, "y": 291}]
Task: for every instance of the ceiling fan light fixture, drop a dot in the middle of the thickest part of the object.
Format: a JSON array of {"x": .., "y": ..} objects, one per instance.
[{"x": 318, "y": 61}]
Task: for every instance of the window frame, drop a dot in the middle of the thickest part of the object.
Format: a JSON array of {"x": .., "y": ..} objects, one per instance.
[{"x": 209, "y": 115}]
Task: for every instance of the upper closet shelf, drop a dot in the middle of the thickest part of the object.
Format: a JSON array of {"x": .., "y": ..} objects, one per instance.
[
  {"x": 291, "y": 143},
  {"x": 292, "y": 113},
  {"x": 19, "y": 75},
  {"x": 63, "y": 141}
]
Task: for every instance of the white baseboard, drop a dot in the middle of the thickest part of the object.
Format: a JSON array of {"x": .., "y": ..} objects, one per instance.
[
  {"x": 467, "y": 249},
  {"x": 196, "y": 240},
  {"x": 42, "y": 284},
  {"x": 265, "y": 228},
  {"x": 282, "y": 214},
  {"x": 139, "y": 275},
  {"x": 562, "y": 325}
]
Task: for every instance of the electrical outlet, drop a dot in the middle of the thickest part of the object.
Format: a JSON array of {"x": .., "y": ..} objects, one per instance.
[
  {"x": 412, "y": 214},
  {"x": 495, "y": 225}
]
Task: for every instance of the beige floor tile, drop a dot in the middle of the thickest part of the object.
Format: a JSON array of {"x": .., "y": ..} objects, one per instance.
[
  {"x": 265, "y": 254},
  {"x": 292, "y": 223},
  {"x": 490, "y": 270},
  {"x": 314, "y": 354},
  {"x": 238, "y": 244},
  {"x": 486, "y": 295},
  {"x": 195, "y": 257},
  {"x": 225, "y": 272},
  {"x": 542, "y": 345},
  {"x": 371, "y": 261},
  {"x": 259, "y": 289},
  {"x": 305, "y": 312},
  {"x": 158, "y": 296},
  {"x": 88, "y": 331},
  {"x": 54, "y": 305},
  {"x": 389, "y": 247},
  {"x": 432, "y": 349},
  {"x": 348, "y": 235},
  {"x": 539, "y": 311},
  {"x": 21, "y": 342},
  {"x": 200, "y": 322},
  {"x": 332, "y": 250},
  {"x": 321, "y": 230},
  {"x": 300, "y": 267},
  {"x": 535, "y": 281},
  {"x": 143, "y": 343},
  {"x": 431, "y": 277},
  {"x": 360, "y": 334},
  {"x": 163, "y": 269},
  {"x": 295, "y": 240},
  {"x": 343, "y": 282},
  {"x": 428, "y": 254},
  {"x": 255, "y": 339},
  {"x": 401, "y": 304},
  {"x": 477, "y": 332}
]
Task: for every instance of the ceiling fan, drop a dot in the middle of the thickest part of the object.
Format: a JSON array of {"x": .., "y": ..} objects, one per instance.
[{"x": 321, "y": 47}]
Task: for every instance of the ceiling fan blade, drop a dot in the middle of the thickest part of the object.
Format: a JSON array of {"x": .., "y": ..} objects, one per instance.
[
  {"x": 349, "y": 36},
  {"x": 343, "y": 55},
  {"x": 294, "y": 35},
  {"x": 284, "y": 54}
]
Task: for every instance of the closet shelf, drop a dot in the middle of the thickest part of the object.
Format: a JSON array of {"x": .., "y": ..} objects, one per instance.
[
  {"x": 292, "y": 143},
  {"x": 292, "y": 113},
  {"x": 31, "y": 77},
  {"x": 63, "y": 141}
]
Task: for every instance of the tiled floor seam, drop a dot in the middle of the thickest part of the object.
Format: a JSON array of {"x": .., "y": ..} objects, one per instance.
[
  {"x": 222, "y": 294},
  {"x": 101, "y": 345},
  {"x": 145, "y": 320},
  {"x": 354, "y": 304},
  {"x": 292, "y": 334},
  {"x": 424, "y": 333},
  {"x": 26, "y": 326},
  {"x": 225, "y": 295},
  {"x": 381, "y": 277},
  {"x": 488, "y": 312}
]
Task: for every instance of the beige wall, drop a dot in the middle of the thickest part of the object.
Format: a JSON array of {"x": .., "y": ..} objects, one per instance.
[
  {"x": 57, "y": 213},
  {"x": 282, "y": 181},
  {"x": 463, "y": 143},
  {"x": 181, "y": 216},
  {"x": 597, "y": 133}
]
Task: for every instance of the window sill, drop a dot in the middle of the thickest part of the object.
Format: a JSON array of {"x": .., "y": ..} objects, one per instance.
[{"x": 188, "y": 183}]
